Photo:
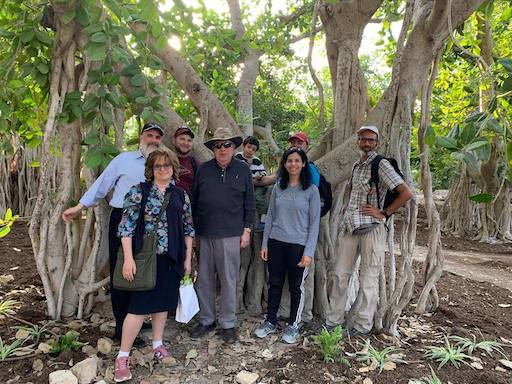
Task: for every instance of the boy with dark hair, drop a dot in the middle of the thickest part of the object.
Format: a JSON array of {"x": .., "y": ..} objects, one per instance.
[{"x": 250, "y": 146}]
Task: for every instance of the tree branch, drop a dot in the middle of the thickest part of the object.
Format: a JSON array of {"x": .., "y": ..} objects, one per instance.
[
  {"x": 288, "y": 19},
  {"x": 188, "y": 79}
]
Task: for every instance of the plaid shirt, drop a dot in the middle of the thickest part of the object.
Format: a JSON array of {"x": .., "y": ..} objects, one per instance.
[{"x": 361, "y": 193}]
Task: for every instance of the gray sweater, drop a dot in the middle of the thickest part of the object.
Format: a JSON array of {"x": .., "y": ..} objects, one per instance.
[{"x": 293, "y": 217}]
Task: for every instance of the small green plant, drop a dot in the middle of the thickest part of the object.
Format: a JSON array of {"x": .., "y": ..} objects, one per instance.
[
  {"x": 471, "y": 346},
  {"x": 328, "y": 344},
  {"x": 449, "y": 353},
  {"x": 7, "y": 307},
  {"x": 16, "y": 348},
  {"x": 36, "y": 331},
  {"x": 371, "y": 355},
  {"x": 67, "y": 342},
  {"x": 431, "y": 379},
  {"x": 7, "y": 222}
]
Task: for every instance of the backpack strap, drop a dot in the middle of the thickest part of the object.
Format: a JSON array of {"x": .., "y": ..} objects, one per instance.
[
  {"x": 194, "y": 164},
  {"x": 374, "y": 178}
]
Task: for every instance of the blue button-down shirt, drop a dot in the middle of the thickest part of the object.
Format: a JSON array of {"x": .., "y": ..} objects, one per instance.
[{"x": 124, "y": 171}]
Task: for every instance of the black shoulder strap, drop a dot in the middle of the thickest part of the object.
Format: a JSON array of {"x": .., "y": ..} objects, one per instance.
[
  {"x": 374, "y": 178},
  {"x": 194, "y": 164}
]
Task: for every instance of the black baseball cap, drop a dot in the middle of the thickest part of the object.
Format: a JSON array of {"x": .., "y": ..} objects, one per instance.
[
  {"x": 184, "y": 130},
  {"x": 152, "y": 125}
]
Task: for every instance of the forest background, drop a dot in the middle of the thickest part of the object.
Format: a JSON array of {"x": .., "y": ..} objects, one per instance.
[{"x": 81, "y": 77}]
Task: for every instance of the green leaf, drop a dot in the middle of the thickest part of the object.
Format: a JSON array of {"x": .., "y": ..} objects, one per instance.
[
  {"x": 468, "y": 133},
  {"x": 34, "y": 164},
  {"x": 82, "y": 16},
  {"x": 507, "y": 63},
  {"x": 430, "y": 136},
  {"x": 8, "y": 214},
  {"x": 27, "y": 36},
  {"x": 119, "y": 54},
  {"x": 98, "y": 37},
  {"x": 507, "y": 84},
  {"x": 73, "y": 96},
  {"x": 4, "y": 231},
  {"x": 44, "y": 38},
  {"x": 110, "y": 149},
  {"x": 475, "y": 118},
  {"x": 106, "y": 113},
  {"x": 68, "y": 16},
  {"x": 454, "y": 132},
  {"x": 93, "y": 158},
  {"x": 482, "y": 198},
  {"x": 476, "y": 145},
  {"x": 141, "y": 100},
  {"x": 97, "y": 51},
  {"x": 92, "y": 138},
  {"x": 492, "y": 105},
  {"x": 43, "y": 68},
  {"x": 131, "y": 70},
  {"x": 147, "y": 114},
  {"x": 137, "y": 80},
  {"x": 446, "y": 142},
  {"x": 114, "y": 99},
  {"x": 95, "y": 27},
  {"x": 493, "y": 125},
  {"x": 90, "y": 103}
]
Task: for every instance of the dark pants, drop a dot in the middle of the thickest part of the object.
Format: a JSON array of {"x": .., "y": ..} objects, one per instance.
[
  {"x": 120, "y": 299},
  {"x": 283, "y": 259}
]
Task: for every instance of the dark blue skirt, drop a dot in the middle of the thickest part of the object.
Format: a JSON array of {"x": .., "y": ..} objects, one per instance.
[{"x": 162, "y": 298}]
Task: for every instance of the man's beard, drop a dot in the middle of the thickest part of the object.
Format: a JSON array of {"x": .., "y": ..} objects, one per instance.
[
  {"x": 146, "y": 149},
  {"x": 179, "y": 152},
  {"x": 364, "y": 152}
]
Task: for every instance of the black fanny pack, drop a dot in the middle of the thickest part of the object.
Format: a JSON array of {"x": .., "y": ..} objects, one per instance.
[{"x": 364, "y": 229}]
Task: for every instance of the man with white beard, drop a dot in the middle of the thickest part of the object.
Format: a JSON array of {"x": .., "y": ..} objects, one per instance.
[{"x": 123, "y": 172}]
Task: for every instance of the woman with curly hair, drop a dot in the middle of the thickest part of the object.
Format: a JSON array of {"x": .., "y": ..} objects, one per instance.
[{"x": 174, "y": 233}]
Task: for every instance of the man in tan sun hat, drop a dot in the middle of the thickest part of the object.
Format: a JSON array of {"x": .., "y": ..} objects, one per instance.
[{"x": 224, "y": 208}]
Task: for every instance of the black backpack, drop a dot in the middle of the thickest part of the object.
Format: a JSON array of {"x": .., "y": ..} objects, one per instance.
[
  {"x": 391, "y": 195},
  {"x": 325, "y": 195}
]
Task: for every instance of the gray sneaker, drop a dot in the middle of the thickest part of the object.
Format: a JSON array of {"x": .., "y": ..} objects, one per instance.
[
  {"x": 290, "y": 334},
  {"x": 264, "y": 329}
]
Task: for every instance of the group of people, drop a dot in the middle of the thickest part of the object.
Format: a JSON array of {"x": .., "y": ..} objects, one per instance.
[{"x": 157, "y": 190}]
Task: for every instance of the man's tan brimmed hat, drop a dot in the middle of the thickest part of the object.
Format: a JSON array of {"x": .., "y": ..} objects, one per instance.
[{"x": 223, "y": 134}]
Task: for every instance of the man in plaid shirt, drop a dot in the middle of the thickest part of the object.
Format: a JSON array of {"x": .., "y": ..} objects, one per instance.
[{"x": 364, "y": 233}]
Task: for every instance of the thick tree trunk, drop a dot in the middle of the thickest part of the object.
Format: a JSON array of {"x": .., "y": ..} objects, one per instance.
[{"x": 250, "y": 71}]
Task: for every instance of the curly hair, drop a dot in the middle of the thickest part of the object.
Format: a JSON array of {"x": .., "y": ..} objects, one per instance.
[
  {"x": 305, "y": 174},
  {"x": 169, "y": 157}
]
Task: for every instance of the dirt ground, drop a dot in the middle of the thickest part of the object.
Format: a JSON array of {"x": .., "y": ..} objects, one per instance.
[{"x": 468, "y": 307}]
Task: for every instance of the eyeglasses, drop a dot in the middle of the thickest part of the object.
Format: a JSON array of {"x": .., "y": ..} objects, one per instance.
[
  {"x": 367, "y": 139},
  {"x": 162, "y": 167},
  {"x": 226, "y": 144}
]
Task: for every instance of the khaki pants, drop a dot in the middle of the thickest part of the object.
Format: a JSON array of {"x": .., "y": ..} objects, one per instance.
[{"x": 371, "y": 247}]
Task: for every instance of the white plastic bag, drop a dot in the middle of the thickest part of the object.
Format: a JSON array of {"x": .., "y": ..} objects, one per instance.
[{"x": 188, "y": 305}]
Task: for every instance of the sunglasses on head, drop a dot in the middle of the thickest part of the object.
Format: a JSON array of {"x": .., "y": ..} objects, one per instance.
[{"x": 227, "y": 144}]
